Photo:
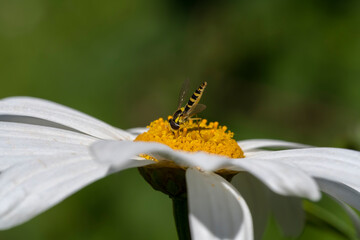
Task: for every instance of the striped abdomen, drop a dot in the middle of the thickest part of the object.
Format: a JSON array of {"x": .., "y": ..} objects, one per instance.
[{"x": 195, "y": 98}]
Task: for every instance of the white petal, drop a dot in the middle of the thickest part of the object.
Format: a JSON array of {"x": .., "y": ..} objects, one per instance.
[
  {"x": 257, "y": 197},
  {"x": 137, "y": 131},
  {"x": 340, "y": 192},
  {"x": 281, "y": 178},
  {"x": 119, "y": 155},
  {"x": 251, "y": 144},
  {"x": 22, "y": 199},
  {"x": 334, "y": 164},
  {"x": 10, "y": 130},
  {"x": 22, "y": 142},
  {"x": 53, "y": 112},
  {"x": 40, "y": 167},
  {"x": 274, "y": 175},
  {"x": 33, "y": 121},
  {"x": 288, "y": 213},
  {"x": 216, "y": 209}
]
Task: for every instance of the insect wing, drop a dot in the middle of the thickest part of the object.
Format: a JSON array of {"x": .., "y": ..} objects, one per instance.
[
  {"x": 183, "y": 91},
  {"x": 196, "y": 109}
]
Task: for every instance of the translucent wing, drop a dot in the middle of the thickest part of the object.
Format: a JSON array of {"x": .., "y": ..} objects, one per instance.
[
  {"x": 183, "y": 91},
  {"x": 196, "y": 109}
]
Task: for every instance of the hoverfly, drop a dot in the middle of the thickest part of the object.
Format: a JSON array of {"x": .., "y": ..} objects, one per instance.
[{"x": 182, "y": 114}]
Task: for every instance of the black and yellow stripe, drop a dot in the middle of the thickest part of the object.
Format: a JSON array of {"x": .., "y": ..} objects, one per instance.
[
  {"x": 183, "y": 113},
  {"x": 195, "y": 98}
]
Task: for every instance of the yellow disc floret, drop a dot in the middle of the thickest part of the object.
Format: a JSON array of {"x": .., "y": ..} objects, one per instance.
[{"x": 193, "y": 137}]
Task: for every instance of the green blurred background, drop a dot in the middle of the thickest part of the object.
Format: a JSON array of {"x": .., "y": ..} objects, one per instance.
[{"x": 275, "y": 69}]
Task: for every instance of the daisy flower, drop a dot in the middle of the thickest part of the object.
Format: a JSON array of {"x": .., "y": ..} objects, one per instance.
[{"x": 221, "y": 189}]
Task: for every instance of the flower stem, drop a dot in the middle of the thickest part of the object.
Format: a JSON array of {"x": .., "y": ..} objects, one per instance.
[{"x": 180, "y": 211}]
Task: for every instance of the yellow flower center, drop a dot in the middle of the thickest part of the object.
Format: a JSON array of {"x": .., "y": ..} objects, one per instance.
[{"x": 193, "y": 137}]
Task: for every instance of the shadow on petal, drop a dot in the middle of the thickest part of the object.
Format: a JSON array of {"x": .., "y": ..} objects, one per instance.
[{"x": 216, "y": 209}]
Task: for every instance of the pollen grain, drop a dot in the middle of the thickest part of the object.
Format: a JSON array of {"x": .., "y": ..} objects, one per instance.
[{"x": 196, "y": 136}]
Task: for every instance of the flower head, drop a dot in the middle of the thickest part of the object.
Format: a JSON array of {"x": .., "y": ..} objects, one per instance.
[{"x": 49, "y": 151}]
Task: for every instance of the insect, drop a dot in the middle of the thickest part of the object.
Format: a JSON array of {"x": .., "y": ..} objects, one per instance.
[{"x": 182, "y": 114}]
